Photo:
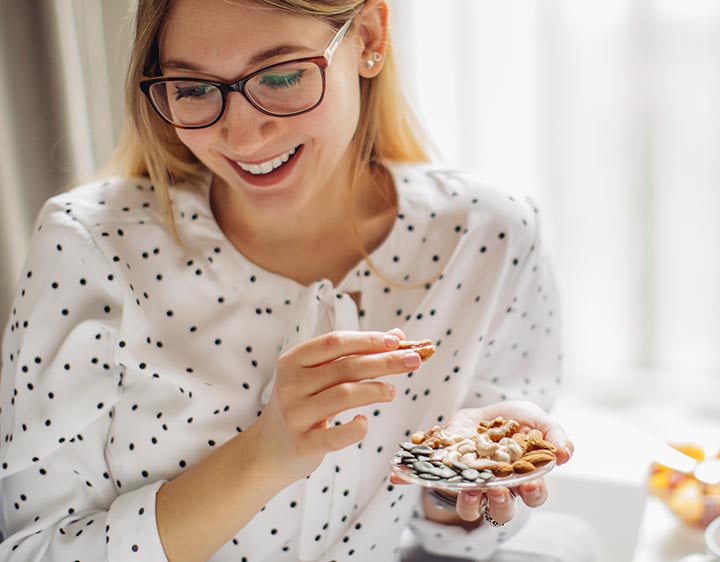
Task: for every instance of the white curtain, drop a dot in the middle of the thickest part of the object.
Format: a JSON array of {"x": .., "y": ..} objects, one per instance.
[
  {"x": 61, "y": 93},
  {"x": 607, "y": 113}
]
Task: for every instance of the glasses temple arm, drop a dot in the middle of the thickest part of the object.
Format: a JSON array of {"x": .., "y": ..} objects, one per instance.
[{"x": 332, "y": 47}]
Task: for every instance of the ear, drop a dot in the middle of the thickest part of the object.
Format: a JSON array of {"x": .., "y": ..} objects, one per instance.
[{"x": 372, "y": 31}]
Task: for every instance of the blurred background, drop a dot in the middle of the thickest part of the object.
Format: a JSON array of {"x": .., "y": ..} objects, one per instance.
[{"x": 605, "y": 112}]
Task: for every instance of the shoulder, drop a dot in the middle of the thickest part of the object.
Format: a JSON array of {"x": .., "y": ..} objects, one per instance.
[
  {"x": 111, "y": 200},
  {"x": 118, "y": 206},
  {"x": 476, "y": 207},
  {"x": 108, "y": 225}
]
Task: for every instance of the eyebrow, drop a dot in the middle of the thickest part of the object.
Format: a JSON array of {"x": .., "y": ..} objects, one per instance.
[{"x": 257, "y": 58}]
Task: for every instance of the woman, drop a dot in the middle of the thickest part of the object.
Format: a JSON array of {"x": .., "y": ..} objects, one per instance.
[{"x": 203, "y": 358}]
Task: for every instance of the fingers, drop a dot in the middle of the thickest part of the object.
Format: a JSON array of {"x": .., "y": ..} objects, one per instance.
[
  {"x": 565, "y": 448},
  {"x": 395, "y": 479},
  {"x": 342, "y": 397},
  {"x": 534, "y": 417},
  {"x": 468, "y": 505},
  {"x": 362, "y": 367},
  {"x": 333, "y": 345},
  {"x": 533, "y": 493},
  {"x": 339, "y": 436},
  {"x": 397, "y": 332},
  {"x": 344, "y": 356},
  {"x": 500, "y": 504}
]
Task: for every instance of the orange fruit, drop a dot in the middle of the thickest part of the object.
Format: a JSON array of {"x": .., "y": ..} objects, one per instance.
[
  {"x": 686, "y": 501},
  {"x": 690, "y": 449}
]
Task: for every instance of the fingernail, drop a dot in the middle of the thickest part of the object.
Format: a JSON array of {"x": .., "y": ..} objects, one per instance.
[
  {"x": 411, "y": 360},
  {"x": 392, "y": 390},
  {"x": 392, "y": 341},
  {"x": 497, "y": 496},
  {"x": 531, "y": 489},
  {"x": 568, "y": 452}
]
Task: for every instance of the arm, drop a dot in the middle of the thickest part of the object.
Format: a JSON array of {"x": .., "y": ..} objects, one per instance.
[
  {"x": 519, "y": 360},
  {"x": 60, "y": 500},
  {"x": 315, "y": 381},
  {"x": 58, "y": 388},
  {"x": 60, "y": 381}
]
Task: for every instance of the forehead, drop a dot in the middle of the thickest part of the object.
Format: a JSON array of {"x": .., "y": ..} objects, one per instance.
[{"x": 208, "y": 28}]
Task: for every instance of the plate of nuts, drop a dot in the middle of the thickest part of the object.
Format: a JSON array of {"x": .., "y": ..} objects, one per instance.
[{"x": 495, "y": 454}]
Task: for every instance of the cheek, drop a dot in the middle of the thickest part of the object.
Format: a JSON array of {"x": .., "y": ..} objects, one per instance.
[
  {"x": 199, "y": 142},
  {"x": 340, "y": 109},
  {"x": 194, "y": 140}
]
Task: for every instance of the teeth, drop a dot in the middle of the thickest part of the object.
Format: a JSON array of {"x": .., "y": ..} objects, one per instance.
[{"x": 269, "y": 166}]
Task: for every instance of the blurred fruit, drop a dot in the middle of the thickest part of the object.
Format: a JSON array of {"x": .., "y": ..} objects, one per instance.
[
  {"x": 686, "y": 501},
  {"x": 659, "y": 482},
  {"x": 693, "y": 502},
  {"x": 691, "y": 450}
]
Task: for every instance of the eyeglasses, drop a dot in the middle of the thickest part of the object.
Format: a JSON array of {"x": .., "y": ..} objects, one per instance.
[{"x": 281, "y": 90}]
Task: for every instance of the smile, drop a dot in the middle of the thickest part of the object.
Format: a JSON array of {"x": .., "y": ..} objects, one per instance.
[{"x": 268, "y": 166}]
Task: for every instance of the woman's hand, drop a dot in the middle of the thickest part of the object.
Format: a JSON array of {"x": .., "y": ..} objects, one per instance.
[
  {"x": 318, "y": 379},
  {"x": 500, "y": 502}
]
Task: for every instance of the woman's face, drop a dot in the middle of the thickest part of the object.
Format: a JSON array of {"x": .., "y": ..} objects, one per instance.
[{"x": 229, "y": 40}]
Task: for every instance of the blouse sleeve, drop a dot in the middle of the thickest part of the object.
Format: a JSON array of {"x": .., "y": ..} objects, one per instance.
[
  {"x": 58, "y": 497},
  {"x": 520, "y": 359},
  {"x": 521, "y": 355}
]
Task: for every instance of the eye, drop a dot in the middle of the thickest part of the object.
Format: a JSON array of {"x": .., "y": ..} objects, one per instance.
[
  {"x": 279, "y": 78},
  {"x": 192, "y": 91}
]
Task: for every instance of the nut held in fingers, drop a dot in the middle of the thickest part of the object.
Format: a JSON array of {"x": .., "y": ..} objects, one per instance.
[{"x": 424, "y": 348}]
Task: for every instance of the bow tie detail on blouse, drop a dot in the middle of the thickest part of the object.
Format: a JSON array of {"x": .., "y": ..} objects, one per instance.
[
  {"x": 331, "y": 490},
  {"x": 319, "y": 310}
]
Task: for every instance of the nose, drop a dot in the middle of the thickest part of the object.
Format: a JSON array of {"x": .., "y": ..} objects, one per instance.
[{"x": 244, "y": 126}]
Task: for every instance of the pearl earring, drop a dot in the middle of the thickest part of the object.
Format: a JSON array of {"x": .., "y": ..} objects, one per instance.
[{"x": 376, "y": 57}]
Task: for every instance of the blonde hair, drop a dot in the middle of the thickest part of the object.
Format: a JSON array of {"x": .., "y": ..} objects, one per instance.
[{"x": 387, "y": 129}]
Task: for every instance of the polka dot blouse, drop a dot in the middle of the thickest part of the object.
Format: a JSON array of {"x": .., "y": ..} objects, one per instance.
[{"x": 128, "y": 358}]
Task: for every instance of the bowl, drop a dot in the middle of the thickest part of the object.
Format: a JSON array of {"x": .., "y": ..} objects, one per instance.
[{"x": 693, "y": 502}]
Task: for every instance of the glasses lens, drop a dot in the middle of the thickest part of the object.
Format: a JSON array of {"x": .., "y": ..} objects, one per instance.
[
  {"x": 287, "y": 88},
  {"x": 187, "y": 103}
]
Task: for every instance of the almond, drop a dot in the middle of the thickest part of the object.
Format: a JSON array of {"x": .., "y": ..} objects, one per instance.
[
  {"x": 522, "y": 440},
  {"x": 522, "y": 467},
  {"x": 502, "y": 469},
  {"x": 536, "y": 441},
  {"x": 538, "y": 458}
]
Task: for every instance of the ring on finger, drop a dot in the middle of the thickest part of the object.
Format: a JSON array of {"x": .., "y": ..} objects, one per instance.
[
  {"x": 490, "y": 519},
  {"x": 486, "y": 512}
]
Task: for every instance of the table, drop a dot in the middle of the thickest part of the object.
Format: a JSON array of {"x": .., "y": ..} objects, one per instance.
[{"x": 598, "y": 407}]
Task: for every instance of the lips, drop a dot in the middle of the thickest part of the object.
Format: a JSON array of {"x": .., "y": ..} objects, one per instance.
[
  {"x": 267, "y": 166},
  {"x": 268, "y": 172}
]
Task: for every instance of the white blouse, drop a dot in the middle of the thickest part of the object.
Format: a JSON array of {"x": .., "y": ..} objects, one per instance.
[{"x": 129, "y": 357}]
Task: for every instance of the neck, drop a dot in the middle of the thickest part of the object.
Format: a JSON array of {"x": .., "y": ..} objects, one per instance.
[
  {"x": 273, "y": 222},
  {"x": 325, "y": 238}
]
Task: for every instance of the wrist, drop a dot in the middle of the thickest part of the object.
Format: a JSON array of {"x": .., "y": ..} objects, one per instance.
[
  {"x": 258, "y": 457},
  {"x": 215, "y": 498}
]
